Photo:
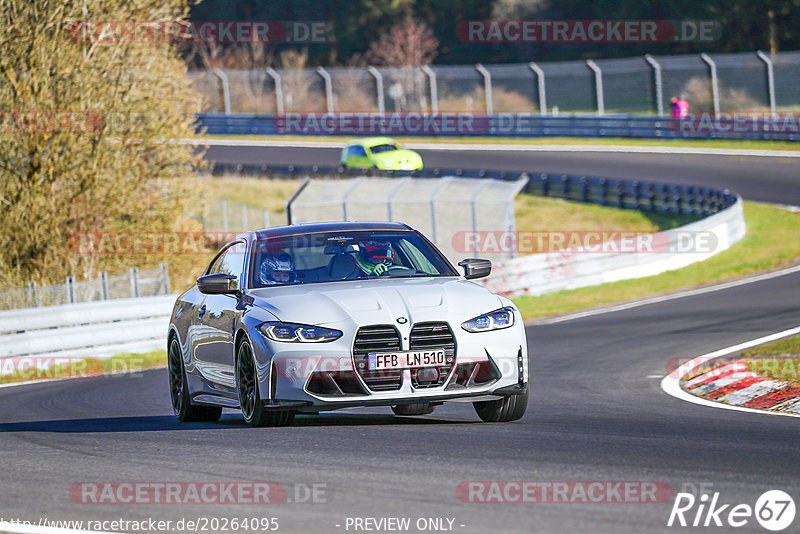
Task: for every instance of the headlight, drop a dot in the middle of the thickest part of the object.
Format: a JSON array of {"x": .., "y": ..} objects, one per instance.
[
  {"x": 496, "y": 320},
  {"x": 299, "y": 333}
]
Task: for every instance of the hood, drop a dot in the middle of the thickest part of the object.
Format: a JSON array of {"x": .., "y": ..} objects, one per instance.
[
  {"x": 378, "y": 301},
  {"x": 397, "y": 158}
]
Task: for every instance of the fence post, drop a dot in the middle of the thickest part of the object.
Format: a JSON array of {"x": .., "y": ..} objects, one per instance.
[
  {"x": 390, "y": 197},
  {"x": 244, "y": 217},
  {"x": 276, "y": 79},
  {"x": 347, "y": 195},
  {"x": 266, "y": 218},
  {"x": 714, "y": 85},
  {"x": 598, "y": 87},
  {"x": 770, "y": 80},
  {"x": 164, "y": 268},
  {"x": 434, "y": 194},
  {"x": 34, "y": 290},
  {"x": 434, "y": 89},
  {"x": 291, "y": 199},
  {"x": 487, "y": 87},
  {"x": 226, "y": 90},
  {"x": 540, "y": 80},
  {"x": 659, "y": 87},
  {"x": 474, "y": 208},
  {"x": 223, "y": 204},
  {"x": 378, "y": 87},
  {"x": 326, "y": 77},
  {"x": 70, "y": 290},
  {"x": 134, "y": 282},
  {"x": 104, "y": 285}
]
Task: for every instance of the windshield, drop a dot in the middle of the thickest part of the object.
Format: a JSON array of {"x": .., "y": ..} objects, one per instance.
[
  {"x": 386, "y": 147},
  {"x": 349, "y": 255}
]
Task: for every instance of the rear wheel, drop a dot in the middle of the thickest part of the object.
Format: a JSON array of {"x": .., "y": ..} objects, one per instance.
[
  {"x": 503, "y": 410},
  {"x": 417, "y": 408},
  {"x": 179, "y": 391},
  {"x": 249, "y": 396}
]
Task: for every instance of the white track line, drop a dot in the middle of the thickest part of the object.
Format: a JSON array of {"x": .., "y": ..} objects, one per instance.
[
  {"x": 672, "y": 296},
  {"x": 671, "y": 384},
  {"x": 507, "y": 148}
]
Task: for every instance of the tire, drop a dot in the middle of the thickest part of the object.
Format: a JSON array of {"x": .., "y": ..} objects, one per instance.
[
  {"x": 179, "y": 391},
  {"x": 503, "y": 410},
  {"x": 249, "y": 395},
  {"x": 417, "y": 408}
]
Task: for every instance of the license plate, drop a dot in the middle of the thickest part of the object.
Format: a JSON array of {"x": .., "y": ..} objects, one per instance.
[{"x": 405, "y": 360}]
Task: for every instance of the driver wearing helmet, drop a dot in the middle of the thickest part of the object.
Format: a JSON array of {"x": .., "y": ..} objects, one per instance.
[
  {"x": 277, "y": 269},
  {"x": 374, "y": 258}
]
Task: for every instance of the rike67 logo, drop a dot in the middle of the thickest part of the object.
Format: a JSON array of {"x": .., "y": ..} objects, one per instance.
[{"x": 774, "y": 510}]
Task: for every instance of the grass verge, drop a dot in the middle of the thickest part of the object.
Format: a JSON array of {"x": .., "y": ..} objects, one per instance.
[
  {"x": 26, "y": 368},
  {"x": 779, "y": 360},
  {"x": 771, "y": 241}
]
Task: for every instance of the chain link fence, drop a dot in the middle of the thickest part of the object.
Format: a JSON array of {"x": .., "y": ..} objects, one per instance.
[
  {"x": 135, "y": 283},
  {"x": 751, "y": 81},
  {"x": 235, "y": 217}
]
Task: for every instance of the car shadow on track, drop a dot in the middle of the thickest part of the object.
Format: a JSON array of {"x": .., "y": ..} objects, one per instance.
[{"x": 160, "y": 423}]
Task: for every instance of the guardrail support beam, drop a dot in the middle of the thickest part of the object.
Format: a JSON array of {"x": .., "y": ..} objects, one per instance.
[
  {"x": 657, "y": 83},
  {"x": 714, "y": 85},
  {"x": 378, "y": 87},
  {"x": 433, "y": 87},
  {"x": 542, "y": 93},
  {"x": 276, "y": 79},
  {"x": 226, "y": 90},
  {"x": 598, "y": 87},
  {"x": 326, "y": 77},
  {"x": 487, "y": 87},
  {"x": 770, "y": 79}
]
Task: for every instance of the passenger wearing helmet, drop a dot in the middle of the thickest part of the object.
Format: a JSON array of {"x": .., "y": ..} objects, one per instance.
[
  {"x": 277, "y": 269},
  {"x": 374, "y": 258}
]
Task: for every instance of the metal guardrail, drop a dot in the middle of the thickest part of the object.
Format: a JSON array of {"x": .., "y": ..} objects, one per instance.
[
  {"x": 724, "y": 126},
  {"x": 91, "y": 329}
]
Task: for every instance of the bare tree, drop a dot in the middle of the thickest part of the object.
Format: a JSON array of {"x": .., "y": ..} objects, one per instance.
[{"x": 410, "y": 42}]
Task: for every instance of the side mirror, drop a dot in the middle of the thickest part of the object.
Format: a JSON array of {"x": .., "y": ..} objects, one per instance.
[
  {"x": 475, "y": 268},
  {"x": 217, "y": 284}
]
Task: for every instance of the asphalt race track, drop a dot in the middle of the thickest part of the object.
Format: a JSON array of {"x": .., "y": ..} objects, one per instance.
[{"x": 596, "y": 412}]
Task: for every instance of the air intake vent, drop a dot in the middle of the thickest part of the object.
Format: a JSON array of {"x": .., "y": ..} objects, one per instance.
[
  {"x": 427, "y": 336},
  {"x": 377, "y": 338}
]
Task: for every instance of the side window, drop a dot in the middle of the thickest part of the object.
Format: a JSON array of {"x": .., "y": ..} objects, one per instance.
[
  {"x": 357, "y": 150},
  {"x": 231, "y": 261}
]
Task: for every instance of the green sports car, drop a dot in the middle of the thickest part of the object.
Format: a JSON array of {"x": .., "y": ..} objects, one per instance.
[{"x": 381, "y": 153}]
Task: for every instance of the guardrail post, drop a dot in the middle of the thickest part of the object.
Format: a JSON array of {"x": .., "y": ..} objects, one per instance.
[
  {"x": 598, "y": 87},
  {"x": 714, "y": 85},
  {"x": 104, "y": 285},
  {"x": 226, "y": 90},
  {"x": 70, "y": 286},
  {"x": 276, "y": 79},
  {"x": 164, "y": 268},
  {"x": 223, "y": 205},
  {"x": 770, "y": 79},
  {"x": 378, "y": 87},
  {"x": 540, "y": 80},
  {"x": 584, "y": 189},
  {"x": 433, "y": 87},
  {"x": 291, "y": 199},
  {"x": 487, "y": 87},
  {"x": 134, "y": 282},
  {"x": 657, "y": 84},
  {"x": 326, "y": 77},
  {"x": 34, "y": 291}
]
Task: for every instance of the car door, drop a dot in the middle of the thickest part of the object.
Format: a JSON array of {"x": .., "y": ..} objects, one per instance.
[
  {"x": 215, "y": 321},
  {"x": 358, "y": 157}
]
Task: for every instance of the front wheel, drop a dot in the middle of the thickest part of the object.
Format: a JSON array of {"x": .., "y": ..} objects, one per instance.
[
  {"x": 503, "y": 410},
  {"x": 179, "y": 391},
  {"x": 249, "y": 396}
]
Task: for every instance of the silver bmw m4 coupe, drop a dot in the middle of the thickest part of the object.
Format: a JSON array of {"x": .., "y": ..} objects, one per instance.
[{"x": 310, "y": 318}]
